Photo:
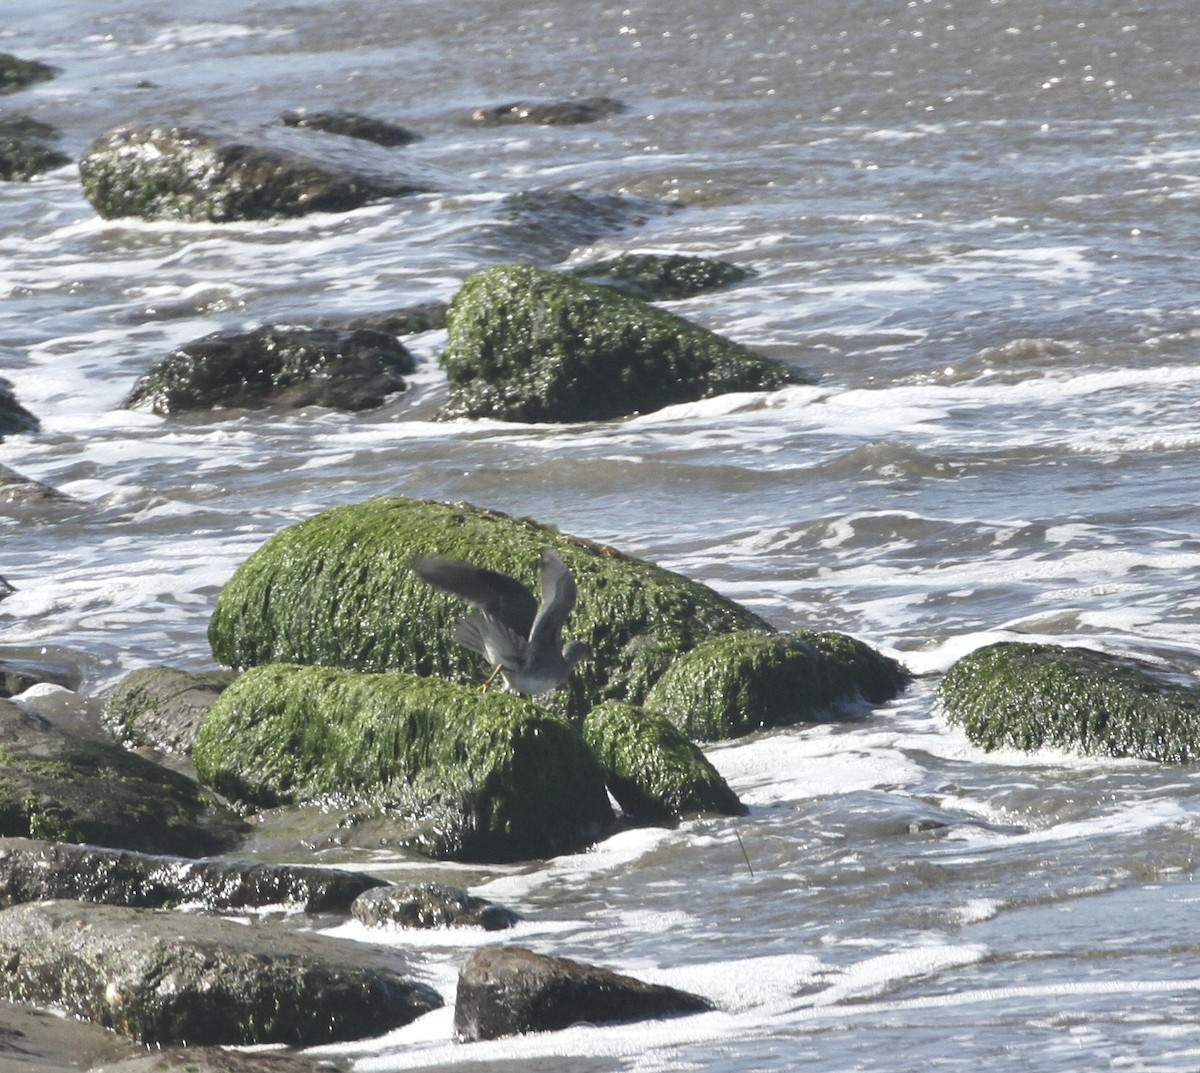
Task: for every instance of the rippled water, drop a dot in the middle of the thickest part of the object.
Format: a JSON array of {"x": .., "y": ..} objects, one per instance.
[{"x": 976, "y": 224}]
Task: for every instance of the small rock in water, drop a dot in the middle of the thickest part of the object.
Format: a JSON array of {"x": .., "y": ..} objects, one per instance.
[
  {"x": 429, "y": 905},
  {"x": 548, "y": 113},
  {"x": 24, "y": 152},
  {"x": 16, "y": 73},
  {"x": 350, "y": 125}
]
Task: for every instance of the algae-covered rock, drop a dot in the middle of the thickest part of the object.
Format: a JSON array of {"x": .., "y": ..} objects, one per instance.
[
  {"x": 178, "y": 173},
  {"x": 162, "y": 977},
  {"x": 74, "y": 789},
  {"x": 429, "y": 905},
  {"x": 277, "y": 366},
  {"x": 25, "y": 150},
  {"x": 741, "y": 682},
  {"x": 350, "y": 125},
  {"x": 1029, "y": 696},
  {"x": 506, "y": 779},
  {"x": 162, "y": 707},
  {"x": 661, "y": 277},
  {"x": 654, "y": 772},
  {"x": 406, "y": 320},
  {"x": 531, "y": 345},
  {"x": 16, "y": 73},
  {"x": 337, "y": 589}
]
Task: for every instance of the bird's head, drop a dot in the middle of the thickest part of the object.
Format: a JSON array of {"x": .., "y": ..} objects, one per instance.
[{"x": 577, "y": 652}]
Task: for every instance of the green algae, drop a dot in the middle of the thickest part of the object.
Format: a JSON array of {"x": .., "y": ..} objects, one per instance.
[
  {"x": 526, "y": 344},
  {"x": 508, "y": 779},
  {"x": 337, "y": 590},
  {"x": 741, "y": 682},
  {"x": 654, "y": 772},
  {"x": 662, "y": 277},
  {"x": 1030, "y": 696}
]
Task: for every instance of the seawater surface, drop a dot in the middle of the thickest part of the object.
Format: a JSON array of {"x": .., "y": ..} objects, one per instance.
[{"x": 975, "y": 224}]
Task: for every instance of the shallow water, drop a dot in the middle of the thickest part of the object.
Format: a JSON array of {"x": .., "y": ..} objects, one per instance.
[{"x": 975, "y": 224}]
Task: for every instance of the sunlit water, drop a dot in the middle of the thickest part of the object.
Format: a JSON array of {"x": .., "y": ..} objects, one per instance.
[{"x": 975, "y": 224}]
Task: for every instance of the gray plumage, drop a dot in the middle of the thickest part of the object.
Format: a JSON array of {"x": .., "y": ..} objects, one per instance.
[{"x": 516, "y": 634}]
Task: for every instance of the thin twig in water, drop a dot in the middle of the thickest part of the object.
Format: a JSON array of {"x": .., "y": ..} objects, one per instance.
[{"x": 745, "y": 855}]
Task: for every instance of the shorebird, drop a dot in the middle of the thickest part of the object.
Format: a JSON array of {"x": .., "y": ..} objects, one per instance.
[{"x": 520, "y": 638}]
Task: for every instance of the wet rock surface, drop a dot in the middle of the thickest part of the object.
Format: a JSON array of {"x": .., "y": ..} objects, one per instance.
[
  {"x": 34, "y": 871},
  {"x": 38, "y": 1041},
  {"x": 282, "y": 366},
  {"x": 25, "y": 149},
  {"x": 350, "y": 125},
  {"x": 184, "y": 173},
  {"x": 162, "y": 707},
  {"x": 163, "y": 977},
  {"x": 407, "y": 320},
  {"x": 508, "y": 990},
  {"x": 17, "y": 73},
  {"x": 656, "y": 277},
  {"x": 548, "y": 113},
  {"x": 429, "y": 905},
  {"x": 215, "y": 1060},
  {"x": 14, "y": 418},
  {"x": 17, "y": 492}
]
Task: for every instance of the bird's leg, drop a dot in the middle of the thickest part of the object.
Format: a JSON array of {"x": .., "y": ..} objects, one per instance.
[{"x": 490, "y": 679}]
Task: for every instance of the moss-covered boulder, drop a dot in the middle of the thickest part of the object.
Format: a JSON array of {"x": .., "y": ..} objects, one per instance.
[
  {"x": 287, "y": 367},
  {"x": 337, "y": 590},
  {"x": 660, "y": 277},
  {"x": 500, "y": 777},
  {"x": 170, "y": 172},
  {"x": 741, "y": 682},
  {"x": 655, "y": 773},
  {"x": 1029, "y": 696},
  {"x": 526, "y": 344},
  {"x": 17, "y": 74},
  {"x": 25, "y": 149},
  {"x": 75, "y": 789},
  {"x": 350, "y": 125}
]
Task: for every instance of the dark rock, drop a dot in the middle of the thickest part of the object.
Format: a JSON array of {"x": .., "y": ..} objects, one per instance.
[
  {"x": 661, "y": 277},
  {"x": 19, "y": 674},
  {"x": 1032, "y": 696},
  {"x": 75, "y": 789},
  {"x": 740, "y": 682},
  {"x": 504, "y": 779},
  {"x": 429, "y": 905},
  {"x": 162, "y": 977},
  {"x": 179, "y": 173},
  {"x": 16, "y": 73},
  {"x": 337, "y": 590},
  {"x": 548, "y": 113},
  {"x": 277, "y": 366},
  {"x": 651, "y": 768},
  {"x": 558, "y": 220},
  {"x": 24, "y": 152},
  {"x": 350, "y": 125},
  {"x": 531, "y": 345},
  {"x": 38, "y": 1041},
  {"x": 18, "y": 491},
  {"x": 38, "y": 871},
  {"x": 427, "y": 317},
  {"x": 14, "y": 418},
  {"x": 508, "y": 990},
  {"x": 162, "y": 707}
]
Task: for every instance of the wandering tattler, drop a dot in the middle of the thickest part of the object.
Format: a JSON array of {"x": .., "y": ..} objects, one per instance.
[{"x": 518, "y": 637}]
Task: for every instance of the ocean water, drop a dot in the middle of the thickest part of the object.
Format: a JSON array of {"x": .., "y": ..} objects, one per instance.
[{"x": 975, "y": 224}]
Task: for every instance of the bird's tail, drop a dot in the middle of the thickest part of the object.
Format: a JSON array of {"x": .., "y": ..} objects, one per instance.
[{"x": 467, "y": 633}]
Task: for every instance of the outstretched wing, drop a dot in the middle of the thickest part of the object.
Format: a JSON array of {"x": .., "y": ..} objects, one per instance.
[
  {"x": 498, "y": 596},
  {"x": 558, "y": 599}
]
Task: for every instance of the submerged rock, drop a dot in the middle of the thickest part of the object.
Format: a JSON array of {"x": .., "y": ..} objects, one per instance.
[
  {"x": 500, "y": 777},
  {"x": 1031, "y": 696},
  {"x": 661, "y": 277},
  {"x": 337, "y": 589},
  {"x": 429, "y": 905},
  {"x": 162, "y": 707},
  {"x": 532, "y": 345},
  {"x": 548, "y": 113},
  {"x": 74, "y": 789},
  {"x": 350, "y": 125},
  {"x": 426, "y": 317},
  {"x": 653, "y": 771},
  {"x": 18, "y": 491},
  {"x": 740, "y": 682},
  {"x": 277, "y": 366},
  {"x": 508, "y": 990},
  {"x": 162, "y": 977},
  {"x": 37, "y": 871},
  {"x": 556, "y": 221},
  {"x": 170, "y": 172},
  {"x": 24, "y": 148},
  {"x": 14, "y": 418},
  {"x": 16, "y": 73}
]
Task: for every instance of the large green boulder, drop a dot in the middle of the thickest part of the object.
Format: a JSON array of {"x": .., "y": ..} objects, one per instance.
[
  {"x": 741, "y": 682},
  {"x": 655, "y": 773},
  {"x": 1029, "y": 696},
  {"x": 338, "y": 590},
  {"x": 526, "y": 344},
  {"x": 491, "y": 777}
]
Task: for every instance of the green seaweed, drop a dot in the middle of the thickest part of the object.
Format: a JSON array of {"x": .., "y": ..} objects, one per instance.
[
  {"x": 1030, "y": 696},
  {"x": 652, "y": 769},
  {"x": 526, "y": 344},
  {"x": 740, "y": 682},
  {"x": 510, "y": 780},
  {"x": 661, "y": 277},
  {"x": 337, "y": 590}
]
